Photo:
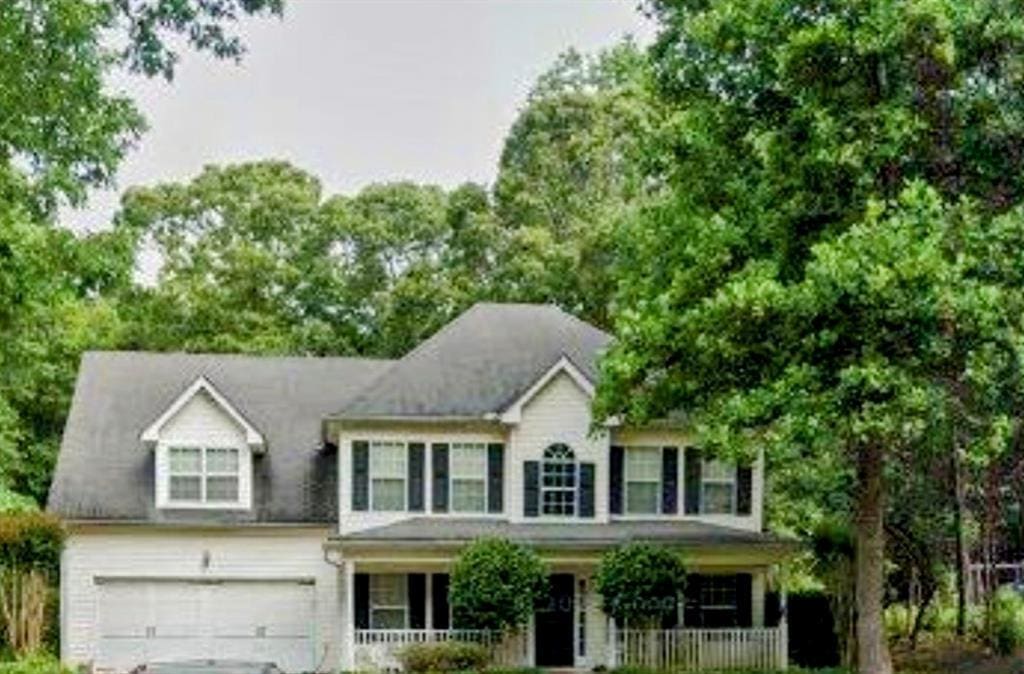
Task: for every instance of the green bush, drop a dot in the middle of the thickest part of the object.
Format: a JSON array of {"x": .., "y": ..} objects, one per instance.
[
  {"x": 1007, "y": 622},
  {"x": 495, "y": 585},
  {"x": 640, "y": 582},
  {"x": 31, "y": 541},
  {"x": 442, "y": 656},
  {"x": 35, "y": 664}
]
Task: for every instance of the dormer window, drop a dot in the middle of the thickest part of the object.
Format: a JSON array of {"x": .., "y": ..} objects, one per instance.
[{"x": 203, "y": 475}]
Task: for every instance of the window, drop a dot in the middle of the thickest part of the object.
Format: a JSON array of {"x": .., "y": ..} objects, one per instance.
[
  {"x": 558, "y": 481},
  {"x": 469, "y": 477},
  {"x": 388, "y": 473},
  {"x": 718, "y": 601},
  {"x": 718, "y": 488},
  {"x": 389, "y": 601},
  {"x": 203, "y": 475},
  {"x": 643, "y": 480}
]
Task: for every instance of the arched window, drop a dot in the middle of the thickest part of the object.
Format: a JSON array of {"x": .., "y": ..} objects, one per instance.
[{"x": 558, "y": 481}]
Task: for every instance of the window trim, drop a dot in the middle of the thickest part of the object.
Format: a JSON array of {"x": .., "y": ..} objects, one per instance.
[
  {"x": 574, "y": 489},
  {"x": 720, "y": 609},
  {"x": 204, "y": 475},
  {"x": 659, "y": 481},
  {"x": 731, "y": 481},
  {"x": 483, "y": 478},
  {"x": 405, "y": 476},
  {"x": 372, "y": 608}
]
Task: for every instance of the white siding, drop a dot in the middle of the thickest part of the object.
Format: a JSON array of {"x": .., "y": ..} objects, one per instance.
[
  {"x": 138, "y": 552},
  {"x": 201, "y": 422},
  {"x": 559, "y": 413}
]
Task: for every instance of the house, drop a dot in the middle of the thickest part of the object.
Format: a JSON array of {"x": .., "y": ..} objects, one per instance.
[{"x": 308, "y": 510}]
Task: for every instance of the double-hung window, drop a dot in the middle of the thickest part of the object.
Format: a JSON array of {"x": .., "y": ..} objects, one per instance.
[
  {"x": 719, "y": 601},
  {"x": 388, "y": 474},
  {"x": 389, "y": 601},
  {"x": 203, "y": 475},
  {"x": 469, "y": 477},
  {"x": 558, "y": 481},
  {"x": 718, "y": 488},
  {"x": 643, "y": 480}
]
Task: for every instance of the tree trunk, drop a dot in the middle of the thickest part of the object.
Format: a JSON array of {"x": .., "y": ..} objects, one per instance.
[
  {"x": 872, "y": 649},
  {"x": 962, "y": 564}
]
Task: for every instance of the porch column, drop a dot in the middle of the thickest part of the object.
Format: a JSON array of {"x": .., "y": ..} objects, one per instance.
[{"x": 348, "y": 621}]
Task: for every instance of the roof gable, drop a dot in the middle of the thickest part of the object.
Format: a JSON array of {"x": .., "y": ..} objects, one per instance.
[
  {"x": 253, "y": 438},
  {"x": 514, "y": 412}
]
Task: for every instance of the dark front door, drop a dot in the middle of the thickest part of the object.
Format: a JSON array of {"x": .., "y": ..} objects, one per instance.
[{"x": 553, "y": 624}]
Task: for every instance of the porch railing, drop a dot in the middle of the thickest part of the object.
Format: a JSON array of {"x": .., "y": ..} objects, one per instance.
[
  {"x": 698, "y": 649},
  {"x": 378, "y": 649}
]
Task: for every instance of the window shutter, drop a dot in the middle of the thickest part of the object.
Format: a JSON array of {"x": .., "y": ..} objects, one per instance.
[
  {"x": 694, "y": 468},
  {"x": 440, "y": 464},
  {"x": 744, "y": 489},
  {"x": 439, "y": 592},
  {"x": 615, "y": 463},
  {"x": 495, "y": 478},
  {"x": 360, "y": 475},
  {"x": 531, "y": 488},
  {"x": 417, "y": 601},
  {"x": 669, "y": 480},
  {"x": 744, "y": 601},
  {"x": 362, "y": 599},
  {"x": 692, "y": 616},
  {"x": 417, "y": 466},
  {"x": 586, "y": 490}
]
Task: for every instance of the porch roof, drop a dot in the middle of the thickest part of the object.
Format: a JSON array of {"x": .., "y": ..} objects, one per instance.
[{"x": 449, "y": 532}]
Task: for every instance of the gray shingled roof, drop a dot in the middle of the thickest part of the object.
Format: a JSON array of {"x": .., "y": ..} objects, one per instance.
[
  {"x": 480, "y": 363},
  {"x": 690, "y": 533},
  {"x": 105, "y": 472}
]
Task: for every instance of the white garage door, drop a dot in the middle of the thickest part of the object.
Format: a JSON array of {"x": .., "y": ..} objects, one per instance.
[{"x": 150, "y": 621}]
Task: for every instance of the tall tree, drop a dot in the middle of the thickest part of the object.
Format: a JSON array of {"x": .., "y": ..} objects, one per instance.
[{"x": 783, "y": 290}]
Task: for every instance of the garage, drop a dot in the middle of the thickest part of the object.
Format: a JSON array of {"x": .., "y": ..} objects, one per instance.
[{"x": 145, "y": 620}]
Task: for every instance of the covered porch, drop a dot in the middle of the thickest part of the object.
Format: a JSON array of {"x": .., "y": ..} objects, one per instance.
[{"x": 396, "y": 594}]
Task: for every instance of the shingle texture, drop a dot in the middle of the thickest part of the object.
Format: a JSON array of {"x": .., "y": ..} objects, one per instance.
[
  {"x": 458, "y": 531},
  {"x": 105, "y": 472},
  {"x": 480, "y": 363}
]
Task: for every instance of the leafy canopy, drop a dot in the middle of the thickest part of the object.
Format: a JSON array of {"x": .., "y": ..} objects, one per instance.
[{"x": 495, "y": 585}]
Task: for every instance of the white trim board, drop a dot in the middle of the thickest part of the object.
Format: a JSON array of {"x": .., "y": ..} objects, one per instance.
[{"x": 252, "y": 436}]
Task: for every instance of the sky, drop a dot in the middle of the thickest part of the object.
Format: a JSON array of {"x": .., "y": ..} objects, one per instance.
[{"x": 362, "y": 91}]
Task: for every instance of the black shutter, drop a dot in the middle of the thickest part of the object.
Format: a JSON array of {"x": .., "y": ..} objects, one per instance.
[
  {"x": 495, "y": 478},
  {"x": 669, "y": 480},
  {"x": 439, "y": 591},
  {"x": 692, "y": 616},
  {"x": 362, "y": 599},
  {"x": 417, "y": 466},
  {"x": 744, "y": 489},
  {"x": 360, "y": 475},
  {"x": 615, "y": 480},
  {"x": 744, "y": 609},
  {"x": 586, "y": 490},
  {"x": 440, "y": 464},
  {"x": 693, "y": 479},
  {"x": 417, "y": 601},
  {"x": 531, "y": 489}
]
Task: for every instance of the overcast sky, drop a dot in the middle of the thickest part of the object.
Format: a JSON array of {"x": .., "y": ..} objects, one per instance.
[{"x": 362, "y": 91}]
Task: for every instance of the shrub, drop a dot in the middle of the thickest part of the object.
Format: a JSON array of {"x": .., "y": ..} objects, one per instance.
[
  {"x": 495, "y": 585},
  {"x": 442, "y": 656},
  {"x": 36, "y": 664},
  {"x": 31, "y": 541},
  {"x": 640, "y": 582},
  {"x": 1007, "y": 622}
]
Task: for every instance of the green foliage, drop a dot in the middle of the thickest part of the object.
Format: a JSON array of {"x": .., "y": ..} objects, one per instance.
[
  {"x": 444, "y": 656},
  {"x": 640, "y": 582},
  {"x": 34, "y": 664},
  {"x": 31, "y": 541},
  {"x": 495, "y": 585},
  {"x": 1007, "y": 622}
]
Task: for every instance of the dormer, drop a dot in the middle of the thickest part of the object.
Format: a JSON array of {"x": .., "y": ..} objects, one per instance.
[{"x": 204, "y": 447}]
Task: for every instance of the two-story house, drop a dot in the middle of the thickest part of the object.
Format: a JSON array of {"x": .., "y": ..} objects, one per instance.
[{"x": 308, "y": 510}]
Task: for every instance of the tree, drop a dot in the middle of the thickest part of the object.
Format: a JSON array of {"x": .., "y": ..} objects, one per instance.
[
  {"x": 640, "y": 583},
  {"x": 495, "y": 585},
  {"x": 784, "y": 310}
]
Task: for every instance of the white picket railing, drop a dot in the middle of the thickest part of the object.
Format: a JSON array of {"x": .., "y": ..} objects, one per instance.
[
  {"x": 697, "y": 649},
  {"x": 377, "y": 650}
]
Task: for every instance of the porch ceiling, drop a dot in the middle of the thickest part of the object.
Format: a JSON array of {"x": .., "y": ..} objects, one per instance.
[{"x": 446, "y": 533}]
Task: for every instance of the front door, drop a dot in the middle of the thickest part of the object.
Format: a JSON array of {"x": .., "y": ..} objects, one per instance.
[{"x": 553, "y": 624}]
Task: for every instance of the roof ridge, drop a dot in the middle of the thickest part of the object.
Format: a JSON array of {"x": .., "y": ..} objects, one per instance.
[{"x": 232, "y": 355}]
